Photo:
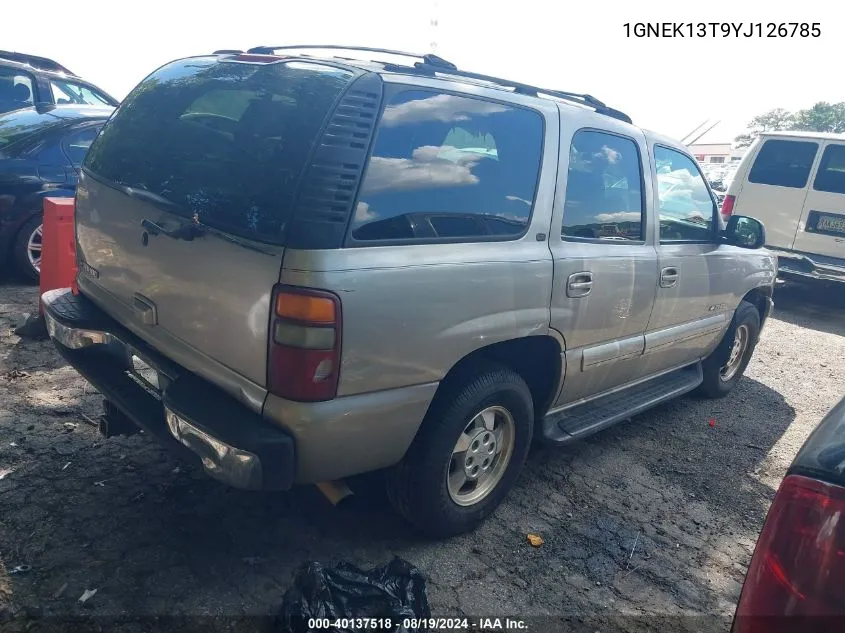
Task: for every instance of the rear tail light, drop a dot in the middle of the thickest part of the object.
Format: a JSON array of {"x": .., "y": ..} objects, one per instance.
[
  {"x": 728, "y": 205},
  {"x": 303, "y": 362},
  {"x": 796, "y": 581}
]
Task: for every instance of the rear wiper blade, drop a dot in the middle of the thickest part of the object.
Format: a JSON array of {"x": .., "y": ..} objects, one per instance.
[
  {"x": 149, "y": 196},
  {"x": 185, "y": 231},
  {"x": 236, "y": 240},
  {"x": 189, "y": 230}
]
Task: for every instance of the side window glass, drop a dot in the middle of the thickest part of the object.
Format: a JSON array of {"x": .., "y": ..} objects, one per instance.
[
  {"x": 783, "y": 163},
  {"x": 603, "y": 188},
  {"x": 77, "y": 143},
  {"x": 831, "y": 176},
  {"x": 449, "y": 167},
  {"x": 686, "y": 208},
  {"x": 16, "y": 91}
]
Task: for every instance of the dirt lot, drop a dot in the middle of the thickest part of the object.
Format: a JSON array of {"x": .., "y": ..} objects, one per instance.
[{"x": 656, "y": 517}]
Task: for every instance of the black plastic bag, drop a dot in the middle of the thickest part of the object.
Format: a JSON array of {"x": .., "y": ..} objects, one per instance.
[{"x": 395, "y": 591}]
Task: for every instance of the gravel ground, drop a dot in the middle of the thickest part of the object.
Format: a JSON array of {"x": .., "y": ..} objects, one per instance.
[{"x": 656, "y": 517}]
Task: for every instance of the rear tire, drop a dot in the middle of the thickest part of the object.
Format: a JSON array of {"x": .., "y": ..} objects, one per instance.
[
  {"x": 725, "y": 366},
  {"x": 27, "y": 238},
  {"x": 488, "y": 412}
]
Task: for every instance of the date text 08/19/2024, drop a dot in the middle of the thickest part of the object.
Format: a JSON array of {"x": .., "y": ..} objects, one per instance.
[
  {"x": 419, "y": 624},
  {"x": 722, "y": 29}
]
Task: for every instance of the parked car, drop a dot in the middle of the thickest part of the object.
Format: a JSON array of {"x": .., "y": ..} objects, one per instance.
[
  {"x": 795, "y": 183},
  {"x": 29, "y": 80},
  {"x": 795, "y": 580},
  {"x": 41, "y": 152},
  {"x": 288, "y": 269}
]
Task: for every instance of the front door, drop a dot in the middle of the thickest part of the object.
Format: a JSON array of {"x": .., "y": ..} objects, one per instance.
[
  {"x": 692, "y": 307},
  {"x": 821, "y": 230},
  {"x": 605, "y": 265}
]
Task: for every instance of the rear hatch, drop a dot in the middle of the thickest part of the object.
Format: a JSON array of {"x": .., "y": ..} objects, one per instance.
[{"x": 184, "y": 202}]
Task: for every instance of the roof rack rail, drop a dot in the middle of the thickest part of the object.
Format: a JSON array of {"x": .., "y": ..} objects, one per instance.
[
  {"x": 41, "y": 63},
  {"x": 428, "y": 58},
  {"x": 526, "y": 89},
  {"x": 432, "y": 64},
  {"x": 228, "y": 51}
]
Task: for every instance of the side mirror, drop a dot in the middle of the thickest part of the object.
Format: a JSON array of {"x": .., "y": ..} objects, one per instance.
[{"x": 744, "y": 232}]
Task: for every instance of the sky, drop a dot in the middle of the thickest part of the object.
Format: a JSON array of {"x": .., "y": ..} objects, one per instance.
[{"x": 669, "y": 85}]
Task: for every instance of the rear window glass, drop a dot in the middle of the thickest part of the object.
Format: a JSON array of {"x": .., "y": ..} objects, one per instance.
[
  {"x": 831, "y": 176},
  {"x": 784, "y": 163},
  {"x": 449, "y": 167},
  {"x": 222, "y": 143}
]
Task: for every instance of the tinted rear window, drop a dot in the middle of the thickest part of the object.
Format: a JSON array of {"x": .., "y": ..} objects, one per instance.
[
  {"x": 831, "y": 176},
  {"x": 784, "y": 163},
  {"x": 222, "y": 142}
]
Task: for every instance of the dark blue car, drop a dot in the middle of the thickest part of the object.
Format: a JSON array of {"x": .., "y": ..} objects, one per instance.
[{"x": 41, "y": 150}]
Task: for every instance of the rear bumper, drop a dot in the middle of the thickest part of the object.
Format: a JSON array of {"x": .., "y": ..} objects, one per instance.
[
  {"x": 233, "y": 444},
  {"x": 805, "y": 266}
]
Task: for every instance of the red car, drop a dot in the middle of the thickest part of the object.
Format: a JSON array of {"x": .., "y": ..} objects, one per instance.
[{"x": 796, "y": 581}]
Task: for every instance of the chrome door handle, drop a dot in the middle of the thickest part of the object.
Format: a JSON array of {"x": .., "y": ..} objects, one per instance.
[
  {"x": 669, "y": 277},
  {"x": 579, "y": 284}
]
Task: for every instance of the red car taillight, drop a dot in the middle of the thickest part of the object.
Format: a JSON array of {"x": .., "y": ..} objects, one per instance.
[
  {"x": 728, "y": 206},
  {"x": 303, "y": 362},
  {"x": 796, "y": 581}
]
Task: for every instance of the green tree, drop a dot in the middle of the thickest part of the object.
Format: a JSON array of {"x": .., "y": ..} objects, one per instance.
[
  {"x": 822, "y": 117},
  {"x": 771, "y": 121}
]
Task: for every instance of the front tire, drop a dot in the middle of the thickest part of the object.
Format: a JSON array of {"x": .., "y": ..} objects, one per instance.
[
  {"x": 468, "y": 453},
  {"x": 26, "y": 251},
  {"x": 725, "y": 366}
]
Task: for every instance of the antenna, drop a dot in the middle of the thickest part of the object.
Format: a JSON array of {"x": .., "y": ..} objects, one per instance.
[
  {"x": 695, "y": 129},
  {"x": 703, "y": 133}
]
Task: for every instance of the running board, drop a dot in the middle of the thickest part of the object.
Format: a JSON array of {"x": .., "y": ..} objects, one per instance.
[{"x": 590, "y": 417}]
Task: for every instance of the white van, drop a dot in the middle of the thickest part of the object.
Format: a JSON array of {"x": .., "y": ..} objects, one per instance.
[{"x": 794, "y": 182}]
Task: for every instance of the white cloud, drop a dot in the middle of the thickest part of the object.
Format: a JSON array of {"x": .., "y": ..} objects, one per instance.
[
  {"x": 424, "y": 170},
  {"x": 442, "y": 108},
  {"x": 619, "y": 216},
  {"x": 518, "y": 199},
  {"x": 363, "y": 213}
]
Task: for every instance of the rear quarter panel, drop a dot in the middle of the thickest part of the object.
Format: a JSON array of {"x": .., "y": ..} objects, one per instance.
[{"x": 411, "y": 312}]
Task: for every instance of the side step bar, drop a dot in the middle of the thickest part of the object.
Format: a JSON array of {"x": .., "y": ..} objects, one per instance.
[{"x": 580, "y": 420}]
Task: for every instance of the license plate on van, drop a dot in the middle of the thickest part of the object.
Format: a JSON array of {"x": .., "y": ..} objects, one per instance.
[{"x": 832, "y": 223}]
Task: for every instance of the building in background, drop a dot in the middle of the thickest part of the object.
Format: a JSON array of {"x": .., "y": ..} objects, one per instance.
[{"x": 706, "y": 153}]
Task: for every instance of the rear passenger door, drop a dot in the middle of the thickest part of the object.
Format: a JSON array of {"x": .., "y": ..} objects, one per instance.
[
  {"x": 776, "y": 187},
  {"x": 822, "y": 227},
  {"x": 605, "y": 267}
]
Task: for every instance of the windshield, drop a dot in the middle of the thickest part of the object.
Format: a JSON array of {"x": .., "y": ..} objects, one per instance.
[{"x": 65, "y": 92}]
